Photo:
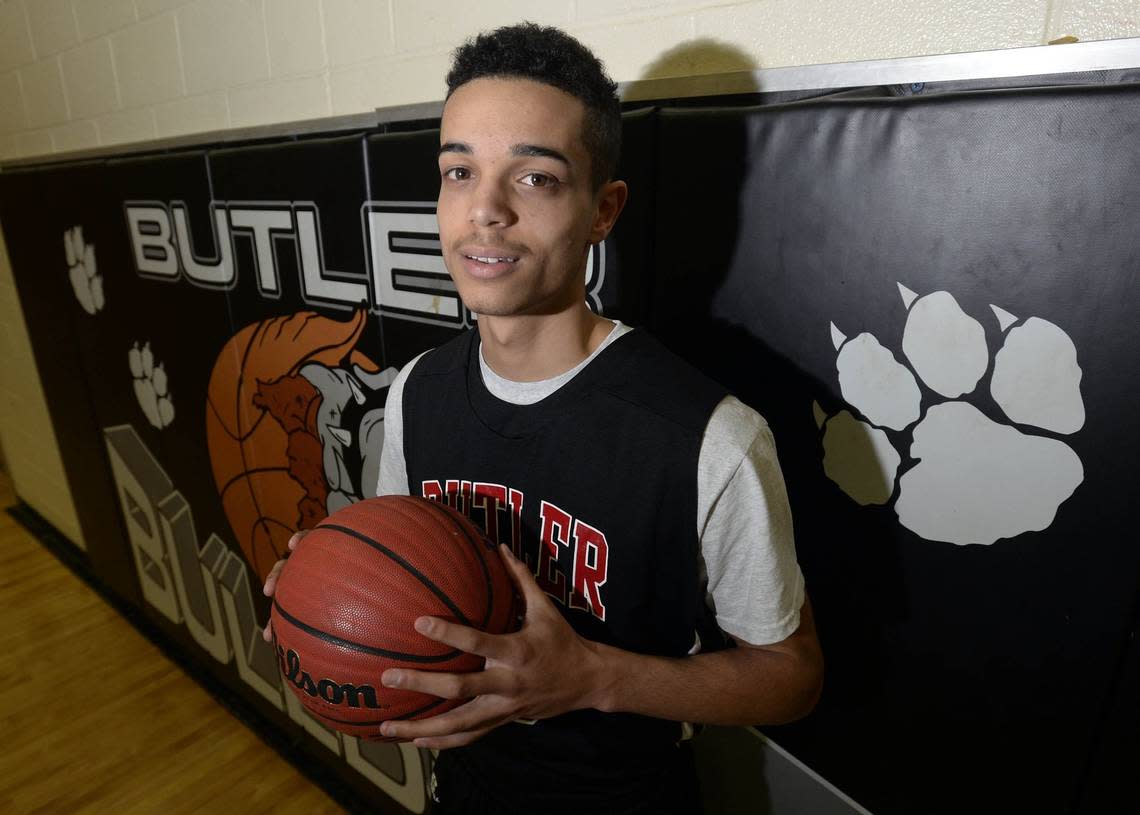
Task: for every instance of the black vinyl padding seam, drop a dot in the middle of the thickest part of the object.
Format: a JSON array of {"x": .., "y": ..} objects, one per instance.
[{"x": 262, "y": 726}]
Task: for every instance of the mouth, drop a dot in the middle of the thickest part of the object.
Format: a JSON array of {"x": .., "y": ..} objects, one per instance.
[
  {"x": 490, "y": 260},
  {"x": 485, "y": 262}
]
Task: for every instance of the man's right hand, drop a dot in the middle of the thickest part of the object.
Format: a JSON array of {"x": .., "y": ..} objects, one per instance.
[{"x": 271, "y": 580}]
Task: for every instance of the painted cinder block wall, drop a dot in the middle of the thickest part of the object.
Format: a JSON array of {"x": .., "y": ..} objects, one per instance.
[
  {"x": 76, "y": 74},
  {"x": 79, "y": 74}
]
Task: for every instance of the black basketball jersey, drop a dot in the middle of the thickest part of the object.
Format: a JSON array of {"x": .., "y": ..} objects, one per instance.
[{"x": 595, "y": 488}]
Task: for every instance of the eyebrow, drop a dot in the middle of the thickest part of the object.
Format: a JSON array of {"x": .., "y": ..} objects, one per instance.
[{"x": 536, "y": 150}]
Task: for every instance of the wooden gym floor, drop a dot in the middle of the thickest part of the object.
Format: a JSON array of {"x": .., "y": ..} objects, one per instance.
[{"x": 97, "y": 720}]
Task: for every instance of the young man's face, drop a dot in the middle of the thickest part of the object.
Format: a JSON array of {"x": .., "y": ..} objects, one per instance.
[{"x": 516, "y": 208}]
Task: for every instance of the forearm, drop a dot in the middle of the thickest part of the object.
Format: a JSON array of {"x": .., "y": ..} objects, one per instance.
[
  {"x": 744, "y": 685},
  {"x": 738, "y": 686}
]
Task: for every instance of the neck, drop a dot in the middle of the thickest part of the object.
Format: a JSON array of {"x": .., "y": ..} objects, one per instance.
[{"x": 528, "y": 348}]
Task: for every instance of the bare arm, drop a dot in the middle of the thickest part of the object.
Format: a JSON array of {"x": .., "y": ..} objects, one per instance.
[
  {"x": 546, "y": 669},
  {"x": 749, "y": 684}
]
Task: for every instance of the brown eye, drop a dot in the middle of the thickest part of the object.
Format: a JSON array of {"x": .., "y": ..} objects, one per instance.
[
  {"x": 457, "y": 173},
  {"x": 538, "y": 180}
]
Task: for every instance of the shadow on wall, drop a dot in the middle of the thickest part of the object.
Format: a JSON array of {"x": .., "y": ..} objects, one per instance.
[
  {"x": 732, "y": 765},
  {"x": 706, "y": 161},
  {"x": 699, "y": 57}
]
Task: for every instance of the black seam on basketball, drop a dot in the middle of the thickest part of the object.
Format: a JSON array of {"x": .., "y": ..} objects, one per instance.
[
  {"x": 418, "y": 711},
  {"x": 412, "y": 570},
  {"x": 409, "y": 507},
  {"x": 360, "y": 723},
  {"x": 358, "y": 646},
  {"x": 479, "y": 546},
  {"x": 444, "y": 517}
]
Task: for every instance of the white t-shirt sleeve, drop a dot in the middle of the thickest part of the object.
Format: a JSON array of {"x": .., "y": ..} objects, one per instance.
[
  {"x": 393, "y": 477},
  {"x": 755, "y": 585}
]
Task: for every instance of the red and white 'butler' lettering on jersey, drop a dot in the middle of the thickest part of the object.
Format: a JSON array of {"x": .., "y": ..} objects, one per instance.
[{"x": 573, "y": 556}]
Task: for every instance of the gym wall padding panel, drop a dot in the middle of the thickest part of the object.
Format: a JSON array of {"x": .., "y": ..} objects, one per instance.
[
  {"x": 419, "y": 307},
  {"x": 970, "y": 676},
  {"x": 931, "y": 299},
  {"x": 37, "y": 208}
]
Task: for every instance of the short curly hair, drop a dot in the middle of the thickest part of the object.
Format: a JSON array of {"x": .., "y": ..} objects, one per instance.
[{"x": 550, "y": 56}]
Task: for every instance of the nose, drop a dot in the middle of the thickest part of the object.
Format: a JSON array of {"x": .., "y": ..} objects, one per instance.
[{"x": 490, "y": 205}]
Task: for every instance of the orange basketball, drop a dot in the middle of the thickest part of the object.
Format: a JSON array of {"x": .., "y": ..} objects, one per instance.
[{"x": 345, "y": 605}]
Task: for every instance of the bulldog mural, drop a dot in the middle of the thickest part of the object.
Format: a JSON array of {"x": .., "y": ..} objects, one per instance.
[{"x": 294, "y": 426}]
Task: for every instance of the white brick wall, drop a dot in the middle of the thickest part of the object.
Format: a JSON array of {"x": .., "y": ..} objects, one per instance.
[
  {"x": 136, "y": 68},
  {"x": 147, "y": 62},
  {"x": 193, "y": 114},
  {"x": 284, "y": 101},
  {"x": 357, "y": 30},
  {"x": 778, "y": 32},
  {"x": 1100, "y": 20},
  {"x": 13, "y": 116},
  {"x": 295, "y": 37},
  {"x": 423, "y": 25},
  {"x": 52, "y": 25},
  {"x": 15, "y": 37},
  {"x": 98, "y": 17},
  {"x": 82, "y": 73},
  {"x": 136, "y": 124},
  {"x": 32, "y": 142},
  {"x": 89, "y": 76},
  {"x": 42, "y": 87},
  {"x": 78, "y": 135},
  {"x": 223, "y": 44}
]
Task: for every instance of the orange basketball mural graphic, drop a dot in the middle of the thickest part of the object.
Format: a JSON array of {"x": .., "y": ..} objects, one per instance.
[{"x": 275, "y": 402}]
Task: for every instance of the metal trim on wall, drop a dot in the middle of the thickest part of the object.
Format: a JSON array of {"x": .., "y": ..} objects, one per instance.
[
  {"x": 1034, "y": 60},
  {"x": 1010, "y": 62}
]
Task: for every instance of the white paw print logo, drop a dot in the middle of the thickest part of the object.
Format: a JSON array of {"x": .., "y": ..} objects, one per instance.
[
  {"x": 151, "y": 386},
  {"x": 85, "y": 278},
  {"x": 969, "y": 479}
]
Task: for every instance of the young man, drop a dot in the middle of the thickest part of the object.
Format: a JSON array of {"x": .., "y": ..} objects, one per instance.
[{"x": 651, "y": 512}]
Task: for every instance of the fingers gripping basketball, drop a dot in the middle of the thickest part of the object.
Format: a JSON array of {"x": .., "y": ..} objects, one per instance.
[{"x": 344, "y": 609}]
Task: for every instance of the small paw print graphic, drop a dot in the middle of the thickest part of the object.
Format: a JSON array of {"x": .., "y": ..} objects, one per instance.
[
  {"x": 85, "y": 278},
  {"x": 151, "y": 387},
  {"x": 950, "y": 472}
]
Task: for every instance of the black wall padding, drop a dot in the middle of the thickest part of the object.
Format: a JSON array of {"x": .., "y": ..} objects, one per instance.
[
  {"x": 36, "y": 206},
  {"x": 974, "y": 678}
]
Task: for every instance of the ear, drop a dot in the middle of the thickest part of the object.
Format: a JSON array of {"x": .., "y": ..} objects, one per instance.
[{"x": 611, "y": 200}]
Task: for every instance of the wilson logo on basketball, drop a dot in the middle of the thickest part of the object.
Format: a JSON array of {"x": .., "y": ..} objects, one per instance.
[{"x": 333, "y": 692}]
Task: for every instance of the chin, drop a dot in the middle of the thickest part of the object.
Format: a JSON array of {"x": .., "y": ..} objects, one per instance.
[
  {"x": 494, "y": 310},
  {"x": 508, "y": 302},
  {"x": 490, "y": 303}
]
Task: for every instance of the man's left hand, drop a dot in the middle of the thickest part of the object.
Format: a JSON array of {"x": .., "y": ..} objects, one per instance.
[{"x": 540, "y": 671}]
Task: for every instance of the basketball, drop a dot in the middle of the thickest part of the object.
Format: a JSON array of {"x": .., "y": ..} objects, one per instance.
[{"x": 345, "y": 605}]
